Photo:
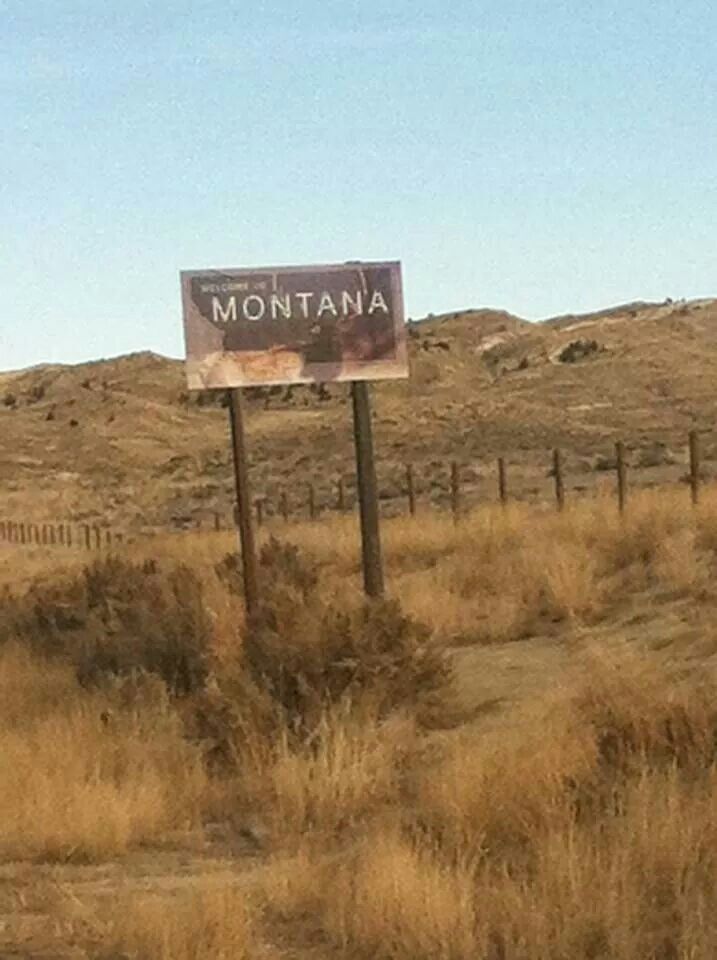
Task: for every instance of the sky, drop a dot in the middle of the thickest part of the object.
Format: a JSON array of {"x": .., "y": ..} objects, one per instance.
[{"x": 540, "y": 156}]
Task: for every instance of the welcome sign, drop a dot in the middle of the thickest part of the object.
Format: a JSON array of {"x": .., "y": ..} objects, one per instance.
[{"x": 281, "y": 325}]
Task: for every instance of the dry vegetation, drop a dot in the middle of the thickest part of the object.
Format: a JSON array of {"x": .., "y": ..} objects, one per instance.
[
  {"x": 122, "y": 442},
  {"x": 517, "y": 762}
]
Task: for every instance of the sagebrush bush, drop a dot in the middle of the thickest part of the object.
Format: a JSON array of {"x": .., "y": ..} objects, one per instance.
[
  {"x": 309, "y": 662},
  {"x": 118, "y": 616},
  {"x": 303, "y": 654}
]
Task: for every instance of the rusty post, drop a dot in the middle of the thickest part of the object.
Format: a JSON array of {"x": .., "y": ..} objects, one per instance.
[
  {"x": 410, "y": 490},
  {"x": 51, "y": 531},
  {"x": 243, "y": 494},
  {"x": 367, "y": 491},
  {"x": 694, "y": 467},
  {"x": 455, "y": 491},
  {"x": 86, "y": 529},
  {"x": 44, "y": 535},
  {"x": 502, "y": 481},
  {"x": 61, "y": 534},
  {"x": 621, "y": 476},
  {"x": 98, "y": 537},
  {"x": 22, "y": 533},
  {"x": 558, "y": 475},
  {"x": 217, "y": 522},
  {"x": 69, "y": 535}
]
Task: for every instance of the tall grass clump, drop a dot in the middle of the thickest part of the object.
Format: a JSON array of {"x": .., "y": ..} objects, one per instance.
[
  {"x": 82, "y": 777},
  {"x": 215, "y": 923},
  {"x": 589, "y": 831}
]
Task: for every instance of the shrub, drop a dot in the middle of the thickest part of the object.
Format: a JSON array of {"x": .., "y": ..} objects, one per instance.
[
  {"x": 308, "y": 659},
  {"x": 304, "y": 655},
  {"x": 117, "y": 616},
  {"x": 282, "y": 564}
]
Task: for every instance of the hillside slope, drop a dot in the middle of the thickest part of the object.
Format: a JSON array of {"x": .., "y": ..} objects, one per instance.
[{"x": 123, "y": 441}]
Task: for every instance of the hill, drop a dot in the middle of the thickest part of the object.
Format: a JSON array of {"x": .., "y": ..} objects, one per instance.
[{"x": 123, "y": 441}]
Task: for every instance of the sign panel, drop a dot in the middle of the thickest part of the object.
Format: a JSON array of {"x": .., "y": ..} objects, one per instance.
[{"x": 281, "y": 325}]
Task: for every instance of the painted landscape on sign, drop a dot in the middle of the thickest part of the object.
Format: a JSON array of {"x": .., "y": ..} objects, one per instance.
[{"x": 294, "y": 325}]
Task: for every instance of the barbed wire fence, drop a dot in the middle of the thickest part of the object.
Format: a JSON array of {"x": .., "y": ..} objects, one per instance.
[{"x": 69, "y": 535}]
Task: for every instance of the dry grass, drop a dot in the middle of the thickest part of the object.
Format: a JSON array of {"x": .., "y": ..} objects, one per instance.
[
  {"x": 82, "y": 780},
  {"x": 592, "y": 837},
  {"x": 581, "y": 824},
  {"x": 210, "y": 924},
  {"x": 350, "y": 771}
]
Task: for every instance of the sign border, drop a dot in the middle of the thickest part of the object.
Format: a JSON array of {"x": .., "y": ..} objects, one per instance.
[{"x": 352, "y": 370}]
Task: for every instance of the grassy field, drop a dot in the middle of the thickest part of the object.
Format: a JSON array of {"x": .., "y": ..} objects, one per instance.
[{"x": 511, "y": 758}]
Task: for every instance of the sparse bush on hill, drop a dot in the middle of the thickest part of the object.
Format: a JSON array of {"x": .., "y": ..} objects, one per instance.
[{"x": 578, "y": 350}]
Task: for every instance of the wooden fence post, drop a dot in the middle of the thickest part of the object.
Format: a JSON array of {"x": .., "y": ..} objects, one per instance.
[
  {"x": 284, "y": 506},
  {"x": 250, "y": 565},
  {"x": 340, "y": 496},
  {"x": 410, "y": 490},
  {"x": 502, "y": 481},
  {"x": 621, "y": 476},
  {"x": 558, "y": 474},
  {"x": 367, "y": 486},
  {"x": 86, "y": 529},
  {"x": 312, "y": 501},
  {"x": 259, "y": 506},
  {"x": 455, "y": 491},
  {"x": 695, "y": 467},
  {"x": 217, "y": 522}
]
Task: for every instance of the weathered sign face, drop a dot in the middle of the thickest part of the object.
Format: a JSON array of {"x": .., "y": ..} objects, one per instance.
[{"x": 294, "y": 325}]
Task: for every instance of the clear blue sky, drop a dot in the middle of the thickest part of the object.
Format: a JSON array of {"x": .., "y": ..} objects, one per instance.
[{"x": 541, "y": 156}]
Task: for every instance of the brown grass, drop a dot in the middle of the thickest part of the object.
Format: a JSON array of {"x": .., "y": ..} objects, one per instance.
[
  {"x": 210, "y": 924},
  {"x": 578, "y": 824},
  {"x": 81, "y": 779}
]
